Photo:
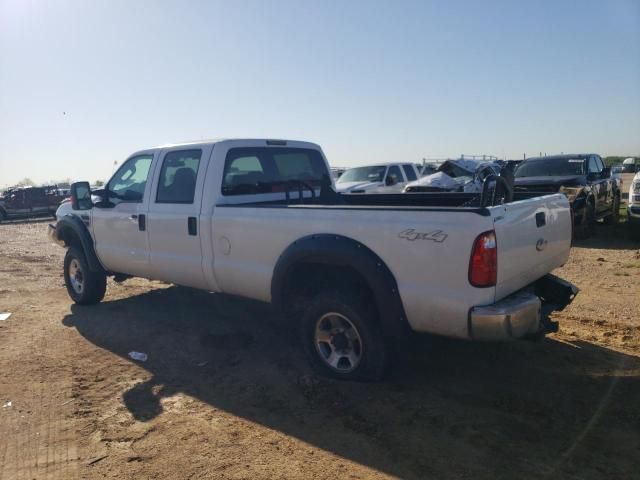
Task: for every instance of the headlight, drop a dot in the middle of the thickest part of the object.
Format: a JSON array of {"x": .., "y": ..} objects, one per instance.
[
  {"x": 570, "y": 192},
  {"x": 635, "y": 187}
]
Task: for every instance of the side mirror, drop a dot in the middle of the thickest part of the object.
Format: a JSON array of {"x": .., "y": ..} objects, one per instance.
[
  {"x": 391, "y": 180},
  {"x": 606, "y": 172},
  {"x": 81, "y": 196}
]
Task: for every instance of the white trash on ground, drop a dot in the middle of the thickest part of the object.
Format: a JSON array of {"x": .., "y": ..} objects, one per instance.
[
  {"x": 4, "y": 316},
  {"x": 142, "y": 357},
  {"x": 8, "y": 404}
]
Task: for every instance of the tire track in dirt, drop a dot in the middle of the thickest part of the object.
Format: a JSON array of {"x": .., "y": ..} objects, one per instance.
[{"x": 38, "y": 435}]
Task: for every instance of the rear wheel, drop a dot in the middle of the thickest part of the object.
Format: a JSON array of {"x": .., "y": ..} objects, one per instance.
[
  {"x": 634, "y": 230},
  {"x": 84, "y": 286},
  {"x": 342, "y": 338},
  {"x": 3, "y": 216}
]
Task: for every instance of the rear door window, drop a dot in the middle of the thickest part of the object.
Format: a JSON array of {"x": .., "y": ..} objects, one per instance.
[
  {"x": 409, "y": 173},
  {"x": 269, "y": 169},
  {"x": 177, "y": 182}
]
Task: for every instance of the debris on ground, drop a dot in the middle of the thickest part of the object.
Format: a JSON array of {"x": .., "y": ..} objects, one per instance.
[
  {"x": 7, "y": 404},
  {"x": 141, "y": 357},
  {"x": 4, "y": 316}
]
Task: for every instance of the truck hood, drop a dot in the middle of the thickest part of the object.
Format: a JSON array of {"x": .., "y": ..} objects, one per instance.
[
  {"x": 346, "y": 187},
  {"x": 549, "y": 184}
]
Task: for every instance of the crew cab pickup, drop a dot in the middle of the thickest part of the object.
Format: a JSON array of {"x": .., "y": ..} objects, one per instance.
[{"x": 356, "y": 273}]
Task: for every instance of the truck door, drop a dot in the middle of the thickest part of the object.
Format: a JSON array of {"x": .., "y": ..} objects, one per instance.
[
  {"x": 37, "y": 201},
  {"x": 16, "y": 203},
  {"x": 394, "y": 170},
  {"x": 174, "y": 217},
  {"x": 119, "y": 224}
]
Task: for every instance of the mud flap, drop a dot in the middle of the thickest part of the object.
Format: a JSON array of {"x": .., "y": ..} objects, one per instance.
[{"x": 555, "y": 294}]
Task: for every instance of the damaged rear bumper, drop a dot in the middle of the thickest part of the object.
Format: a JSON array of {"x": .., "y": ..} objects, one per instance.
[{"x": 524, "y": 313}]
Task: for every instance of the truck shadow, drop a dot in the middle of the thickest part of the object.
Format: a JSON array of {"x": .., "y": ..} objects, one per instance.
[
  {"x": 609, "y": 237},
  {"x": 455, "y": 409}
]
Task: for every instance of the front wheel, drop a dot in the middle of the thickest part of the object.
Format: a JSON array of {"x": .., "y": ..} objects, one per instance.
[
  {"x": 587, "y": 225},
  {"x": 342, "y": 338},
  {"x": 634, "y": 230},
  {"x": 85, "y": 287},
  {"x": 612, "y": 219}
]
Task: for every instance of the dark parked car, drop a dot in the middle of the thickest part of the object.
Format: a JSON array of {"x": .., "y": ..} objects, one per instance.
[
  {"x": 593, "y": 193},
  {"x": 30, "y": 201}
]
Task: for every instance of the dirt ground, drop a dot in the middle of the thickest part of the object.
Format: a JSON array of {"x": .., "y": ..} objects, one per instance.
[{"x": 225, "y": 392}]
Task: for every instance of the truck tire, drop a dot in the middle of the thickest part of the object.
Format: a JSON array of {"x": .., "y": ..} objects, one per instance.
[
  {"x": 85, "y": 287},
  {"x": 342, "y": 338},
  {"x": 3, "y": 216},
  {"x": 587, "y": 223},
  {"x": 634, "y": 230},
  {"x": 612, "y": 219}
]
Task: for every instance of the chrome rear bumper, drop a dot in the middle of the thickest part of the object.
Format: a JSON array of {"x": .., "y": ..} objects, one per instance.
[{"x": 524, "y": 313}]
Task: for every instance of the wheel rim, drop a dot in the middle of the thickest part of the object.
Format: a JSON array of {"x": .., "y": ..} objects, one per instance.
[
  {"x": 76, "y": 278},
  {"x": 338, "y": 342}
]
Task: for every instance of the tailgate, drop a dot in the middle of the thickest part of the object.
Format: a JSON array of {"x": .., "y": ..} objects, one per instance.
[{"x": 533, "y": 237}]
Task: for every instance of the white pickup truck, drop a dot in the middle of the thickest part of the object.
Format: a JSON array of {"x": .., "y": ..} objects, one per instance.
[
  {"x": 380, "y": 178},
  {"x": 356, "y": 273}
]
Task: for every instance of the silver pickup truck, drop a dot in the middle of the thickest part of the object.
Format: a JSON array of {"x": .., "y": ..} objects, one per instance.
[{"x": 356, "y": 274}]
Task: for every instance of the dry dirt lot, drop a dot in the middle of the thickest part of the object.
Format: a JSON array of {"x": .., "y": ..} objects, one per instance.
[{"x": 226, "y": 394}]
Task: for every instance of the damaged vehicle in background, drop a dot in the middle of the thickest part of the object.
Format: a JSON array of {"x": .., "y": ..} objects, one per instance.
[
  {"x": 592, "y": 191},
  {"x": 460, "y": 175}
]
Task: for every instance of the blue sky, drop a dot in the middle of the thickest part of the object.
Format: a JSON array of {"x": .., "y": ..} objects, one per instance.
[{"x": 369, "y": 81}]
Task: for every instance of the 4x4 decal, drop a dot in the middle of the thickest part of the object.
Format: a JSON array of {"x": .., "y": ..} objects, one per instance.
[{"x": 436, "y": 236}]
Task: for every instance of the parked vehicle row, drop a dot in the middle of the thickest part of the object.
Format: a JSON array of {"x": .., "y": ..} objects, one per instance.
[
  {"x": 353, "y": 273},
  {"x": 593, "y": 190}
]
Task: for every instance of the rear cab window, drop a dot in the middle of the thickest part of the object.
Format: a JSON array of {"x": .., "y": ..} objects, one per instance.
[{"x": 253, "y": 170}]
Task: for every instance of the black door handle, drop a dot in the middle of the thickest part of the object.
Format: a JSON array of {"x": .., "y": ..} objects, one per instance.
[
  {"x": 142, "y": 222},
  {"x": 192, "y": 226}
]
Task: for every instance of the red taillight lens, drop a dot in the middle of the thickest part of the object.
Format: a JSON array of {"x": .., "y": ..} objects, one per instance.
[{"x": 483, "y": 265}]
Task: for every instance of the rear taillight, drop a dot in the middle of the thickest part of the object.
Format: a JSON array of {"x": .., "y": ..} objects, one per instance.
[{"x": 483, "y": 265}]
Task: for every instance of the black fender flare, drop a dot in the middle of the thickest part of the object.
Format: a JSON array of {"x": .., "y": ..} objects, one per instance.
[
  {"x": 76, "y": 225},
  {"x": 338, "y": 250}
]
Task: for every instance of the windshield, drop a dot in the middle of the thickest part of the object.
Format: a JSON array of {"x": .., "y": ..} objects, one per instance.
[
  {"x": 454, "y": 170},
  {"x": 363, "y": 174},
  {"x": 551, "y": 167}
]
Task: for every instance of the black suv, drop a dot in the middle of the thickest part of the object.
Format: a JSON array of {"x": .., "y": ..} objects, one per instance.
[{"x": 583, "y": 178}]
